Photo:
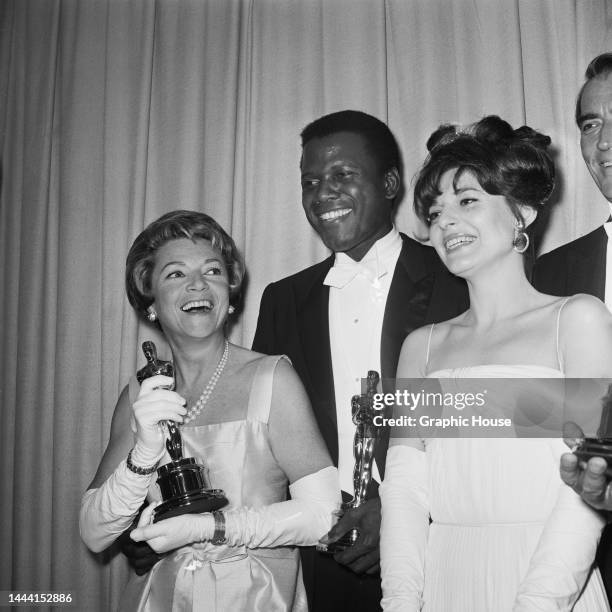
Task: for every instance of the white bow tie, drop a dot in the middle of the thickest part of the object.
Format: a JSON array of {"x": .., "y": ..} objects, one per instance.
[{"x": 344, "y": 271}]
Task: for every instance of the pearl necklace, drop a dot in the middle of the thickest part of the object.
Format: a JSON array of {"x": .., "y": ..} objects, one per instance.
[{"x": 197, "y": 408}]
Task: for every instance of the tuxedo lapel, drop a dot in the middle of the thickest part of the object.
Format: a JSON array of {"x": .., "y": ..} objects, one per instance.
[
  {"x": 407, "y": 305},
  {"x": 406, "y": 309},
  {"x": 586, "y": 263},
  {"x": 314, "y": 337}
]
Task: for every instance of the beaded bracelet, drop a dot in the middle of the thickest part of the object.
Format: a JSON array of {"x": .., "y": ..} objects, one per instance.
[{"x": 142, "y": 471}]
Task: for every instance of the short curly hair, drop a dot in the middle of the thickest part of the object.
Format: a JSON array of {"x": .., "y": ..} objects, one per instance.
[
  {"x": 380, "y": 141},
  {"x": 507, "y": 162},
  {"x": 171, "y": 226}
]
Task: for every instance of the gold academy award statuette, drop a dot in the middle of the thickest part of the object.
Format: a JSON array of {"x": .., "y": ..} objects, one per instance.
[
  {"x": 183, "y": 483},
  {"x": 364, "y": 443}
]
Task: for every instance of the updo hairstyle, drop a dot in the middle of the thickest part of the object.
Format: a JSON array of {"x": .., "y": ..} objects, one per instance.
[{"x": 506, "y": 162}]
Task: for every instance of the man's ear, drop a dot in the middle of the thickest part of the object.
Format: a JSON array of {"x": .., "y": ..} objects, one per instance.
[
  {"x": 392, "y": 183},
  {"x": 528, "y": 213}
]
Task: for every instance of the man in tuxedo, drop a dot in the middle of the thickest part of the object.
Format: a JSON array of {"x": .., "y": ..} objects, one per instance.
[
  {"x": 584, "y": 266},
  {"x": 581, "y": 266},
  {"x": 349, "y": 314}
]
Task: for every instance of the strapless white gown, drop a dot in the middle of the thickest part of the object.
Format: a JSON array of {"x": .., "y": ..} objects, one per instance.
[{"x": 489, "y": 501}]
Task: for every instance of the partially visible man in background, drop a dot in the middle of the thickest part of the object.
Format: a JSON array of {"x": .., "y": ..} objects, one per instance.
[{"x": 585, "y": 266}]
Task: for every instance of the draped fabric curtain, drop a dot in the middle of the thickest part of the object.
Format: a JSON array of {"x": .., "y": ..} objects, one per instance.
[{"x": 113, "y": 112}]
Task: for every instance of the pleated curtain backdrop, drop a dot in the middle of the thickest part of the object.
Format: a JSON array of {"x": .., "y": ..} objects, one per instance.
[{"x": 113, "y": 112}]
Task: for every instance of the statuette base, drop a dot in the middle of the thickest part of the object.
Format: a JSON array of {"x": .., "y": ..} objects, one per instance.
[{"x": 185, "y": 490}]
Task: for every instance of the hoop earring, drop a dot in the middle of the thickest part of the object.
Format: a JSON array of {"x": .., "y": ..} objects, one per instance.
[
  {"x": 521, "y": 240},
  {"x": 152, "y": 315}
]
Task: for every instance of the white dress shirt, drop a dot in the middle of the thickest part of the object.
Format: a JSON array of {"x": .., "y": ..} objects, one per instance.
[{"x": 357, "y": 299}]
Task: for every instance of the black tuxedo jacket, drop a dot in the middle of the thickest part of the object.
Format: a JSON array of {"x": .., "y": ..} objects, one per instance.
[
  {"x": 576, "y": 267},
  {"x": 293, "y": 320}
]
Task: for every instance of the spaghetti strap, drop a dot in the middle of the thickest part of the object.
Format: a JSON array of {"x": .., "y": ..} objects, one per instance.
[
  {"x": 261, "y": 389},
  {"x": 559, "y": 356},
  {"x": 428, "y": 346}
]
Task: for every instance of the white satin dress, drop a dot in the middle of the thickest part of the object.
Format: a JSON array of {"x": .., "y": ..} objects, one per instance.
[{"x": 209, "y": 578}]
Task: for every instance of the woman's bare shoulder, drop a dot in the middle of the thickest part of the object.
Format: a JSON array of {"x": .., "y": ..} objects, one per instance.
[
  {"x": 585, "y": 337},
  {"x": 413, "y": 356},
  {"x": 246, "y": 362},
  {"x": 583, "y": 315},
  {"x": 584, "y": 308},
  {"x": 423, "y": 335}
]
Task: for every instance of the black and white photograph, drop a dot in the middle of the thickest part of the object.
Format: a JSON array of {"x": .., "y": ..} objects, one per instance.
[{"x": 306, "y": 305}]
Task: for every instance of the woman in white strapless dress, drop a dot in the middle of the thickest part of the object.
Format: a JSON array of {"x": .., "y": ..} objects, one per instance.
[{"x": 482, "y": 524}]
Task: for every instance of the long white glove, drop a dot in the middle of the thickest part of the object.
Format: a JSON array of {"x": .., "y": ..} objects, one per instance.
[
  {"x": 300, "y": 521},
  {"x": 106, "y": 512},
  {"x": 155, "y": 403},
  {"x": 404, "y": 528},
  {"x": 563, "y": 557}
]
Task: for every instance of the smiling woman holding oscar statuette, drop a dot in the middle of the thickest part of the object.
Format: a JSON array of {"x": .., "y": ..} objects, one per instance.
[
  {"x": 223, "y": 433},
  {"x": 485, "y": 523}
]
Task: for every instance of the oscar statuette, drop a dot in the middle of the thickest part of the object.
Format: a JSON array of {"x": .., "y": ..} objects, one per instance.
[
  {"x": 183, "y": 482},
  {"x": 364, "y": 444}
]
